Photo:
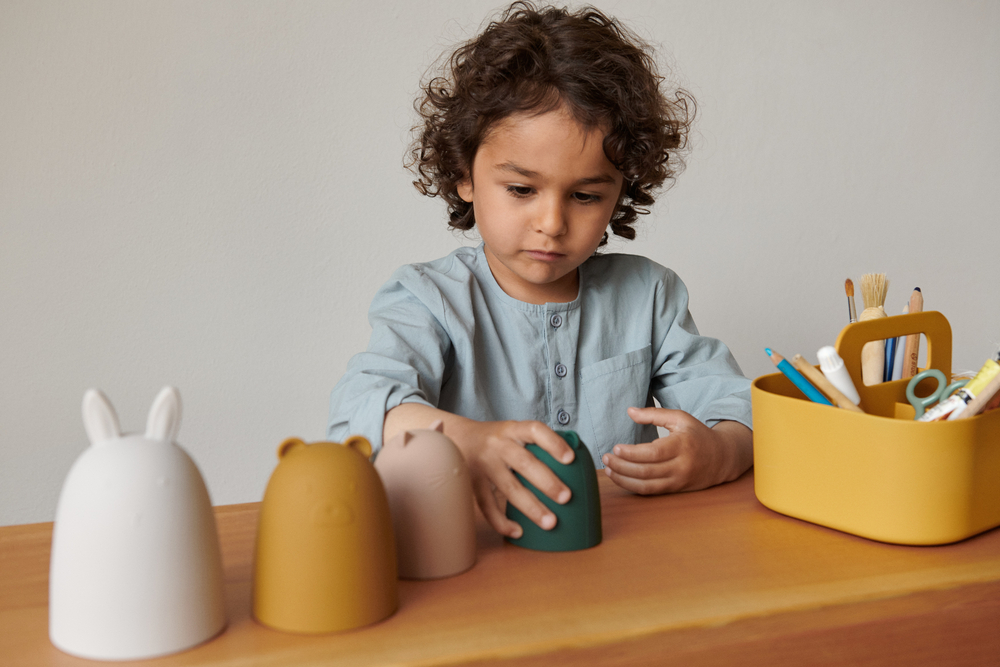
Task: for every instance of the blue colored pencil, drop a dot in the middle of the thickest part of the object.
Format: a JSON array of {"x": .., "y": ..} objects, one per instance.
[
  {"x": 890, "y": 358},
  {"x": 799, "y": 380}
]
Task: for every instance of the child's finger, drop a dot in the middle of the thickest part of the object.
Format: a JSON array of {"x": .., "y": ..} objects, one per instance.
[
  {"x": 539, "y": 474},
  {"x": 664, "y": 417},
  {"x": 538, "y": 433},
  {"x": 523, "y": 499},
  {"x": 645, "y": 487},
  {"x": 638, "y": 470},
  {"x": 661, "y": 449},
  {"x": 492, "y": 511}
]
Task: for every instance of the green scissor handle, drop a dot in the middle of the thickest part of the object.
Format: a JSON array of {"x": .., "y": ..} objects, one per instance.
[{"x": 939, "y": 394}]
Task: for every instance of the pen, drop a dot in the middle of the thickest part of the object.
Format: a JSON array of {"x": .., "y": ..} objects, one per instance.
[{"x": 811, "y": 392}]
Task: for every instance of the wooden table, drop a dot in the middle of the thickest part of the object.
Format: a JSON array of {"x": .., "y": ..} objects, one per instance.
[{"x": 706, "y": 578}]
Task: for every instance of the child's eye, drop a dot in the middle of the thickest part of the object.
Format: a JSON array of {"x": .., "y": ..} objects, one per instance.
[
  {"x": 520, "y": 190},
  {"x": 585, "y": 198}
]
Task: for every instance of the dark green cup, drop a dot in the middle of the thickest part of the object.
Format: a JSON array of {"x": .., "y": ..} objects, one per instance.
[{"x": 578, "y": 522}]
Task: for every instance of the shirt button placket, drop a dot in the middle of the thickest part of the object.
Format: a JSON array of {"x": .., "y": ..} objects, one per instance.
[{"x": 563, "y": 417}]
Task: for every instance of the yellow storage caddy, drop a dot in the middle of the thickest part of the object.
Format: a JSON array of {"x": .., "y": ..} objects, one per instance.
[{"x": 878, "y": 475}]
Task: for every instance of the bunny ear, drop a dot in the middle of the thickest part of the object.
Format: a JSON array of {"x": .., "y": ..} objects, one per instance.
[
  {"x": 165, "y": 416},
  {"x": 99, "y": 418}
]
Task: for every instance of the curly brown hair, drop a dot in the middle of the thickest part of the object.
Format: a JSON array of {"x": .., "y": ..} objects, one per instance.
[{"x": 532, "y": 60}]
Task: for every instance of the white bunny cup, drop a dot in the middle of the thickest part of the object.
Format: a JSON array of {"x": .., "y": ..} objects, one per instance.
[{"x": 136, "y": 570}]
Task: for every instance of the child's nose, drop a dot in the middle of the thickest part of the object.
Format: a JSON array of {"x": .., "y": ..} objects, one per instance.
[{"x": 551, "y": 218}]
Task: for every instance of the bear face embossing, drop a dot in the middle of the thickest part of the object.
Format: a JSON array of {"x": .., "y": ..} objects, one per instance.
[{"x": 325, "y": 556}]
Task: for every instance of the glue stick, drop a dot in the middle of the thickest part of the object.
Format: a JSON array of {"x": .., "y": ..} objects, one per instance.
[{"x": 833, "y": 368}]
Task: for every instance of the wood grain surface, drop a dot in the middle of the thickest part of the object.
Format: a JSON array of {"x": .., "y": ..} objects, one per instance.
[{"x": 705, "y": 578}]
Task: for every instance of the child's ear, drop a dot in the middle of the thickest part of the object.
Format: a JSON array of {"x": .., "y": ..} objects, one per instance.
[{"x": 464, "y": 188}]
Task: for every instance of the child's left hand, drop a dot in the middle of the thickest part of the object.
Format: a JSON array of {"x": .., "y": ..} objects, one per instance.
[{"x": 693, "y": 456}]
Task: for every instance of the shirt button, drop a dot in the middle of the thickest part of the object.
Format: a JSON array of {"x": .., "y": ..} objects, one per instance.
[
  {"x": 562, "y": 417},
  {"x": 560, "y": 370},
  {"x": 556, "y": 320}
]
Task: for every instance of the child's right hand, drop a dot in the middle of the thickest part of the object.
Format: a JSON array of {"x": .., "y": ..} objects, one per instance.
[{"x": 493, "y": 452}]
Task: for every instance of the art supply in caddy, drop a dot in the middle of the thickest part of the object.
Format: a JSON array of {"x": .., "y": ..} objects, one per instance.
[
  {"x": 811, "y": 392},
  {"x": 890, "y": 358},
  {"x": 873, "y": 289},
  {"x": 824, "y": 385},
  {"x": 897, "y": 364},
  {"x": 852, "y": 314},
  {"x": 912, "y": 350},
  {"x": 985, "y": 400},
  {"x": 953, "y": 407},
  {"x": 940, "y": 393},
  {"x": 836, "y": 372}
]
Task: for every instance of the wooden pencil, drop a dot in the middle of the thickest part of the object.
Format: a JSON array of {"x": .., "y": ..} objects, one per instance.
[
  {"x": 912, "y": 350},
  {"x": 824, "y": 385}
]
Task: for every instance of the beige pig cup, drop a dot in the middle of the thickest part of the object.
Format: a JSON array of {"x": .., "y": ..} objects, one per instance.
[{"x": 431, "y": 501}]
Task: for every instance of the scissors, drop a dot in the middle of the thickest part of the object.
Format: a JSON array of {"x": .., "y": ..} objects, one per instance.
[{"x": 940, "y": 393}]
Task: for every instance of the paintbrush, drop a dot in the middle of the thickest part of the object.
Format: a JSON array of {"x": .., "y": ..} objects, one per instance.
[
  {"x": 851, "y": 312},
  {"x": 873, "y": 289}
]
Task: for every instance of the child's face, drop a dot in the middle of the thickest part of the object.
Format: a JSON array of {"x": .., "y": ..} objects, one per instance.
[{"x": 543, "y": 193}]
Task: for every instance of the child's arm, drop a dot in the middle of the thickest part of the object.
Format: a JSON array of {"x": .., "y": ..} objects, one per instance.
[
  {"x": 493, "y": 451},
  {"x": 693, "y": 456}
]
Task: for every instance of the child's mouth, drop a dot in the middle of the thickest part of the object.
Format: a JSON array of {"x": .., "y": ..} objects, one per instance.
[{"x": 544, "y": 256}]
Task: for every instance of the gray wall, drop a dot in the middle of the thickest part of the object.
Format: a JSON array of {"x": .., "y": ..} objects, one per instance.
[{"x": 209, "y": 194}]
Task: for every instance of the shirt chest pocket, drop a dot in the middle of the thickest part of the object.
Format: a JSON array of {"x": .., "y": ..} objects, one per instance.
[{"x": 609, "y": 387}]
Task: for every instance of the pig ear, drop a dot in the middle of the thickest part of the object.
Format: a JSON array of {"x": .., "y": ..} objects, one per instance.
[
  {"x": 438, "y": 426},
  {"x": 407, "y": 436},
  {"x": 99, "y": 418},
  {"x": 165, "y": 416},
  {"x": 359, "y": 444}
]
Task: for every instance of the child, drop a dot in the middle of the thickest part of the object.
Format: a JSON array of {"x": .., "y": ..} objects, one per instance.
[{"x": 544, "y": 131}]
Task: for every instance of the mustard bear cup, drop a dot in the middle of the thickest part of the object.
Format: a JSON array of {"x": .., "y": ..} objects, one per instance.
[{"x": 325, "y": 556}]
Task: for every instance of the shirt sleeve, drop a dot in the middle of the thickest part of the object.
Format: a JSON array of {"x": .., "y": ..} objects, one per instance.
[
  {"x": 405, "y": 361},
  {"x": 694, "y": 373}
]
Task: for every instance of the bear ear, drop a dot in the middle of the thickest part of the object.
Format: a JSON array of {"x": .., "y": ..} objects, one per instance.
[
  {"x": 289, "y": 445},
  {"x": 164, "y": 419},
  {"x": 438, "y": 426},
  {"x": 99, "y": 418},
  {"x": 359, "y": 444}
]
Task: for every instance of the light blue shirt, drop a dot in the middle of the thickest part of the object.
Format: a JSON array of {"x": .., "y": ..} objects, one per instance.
[{"x": 446, "y": 335}]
